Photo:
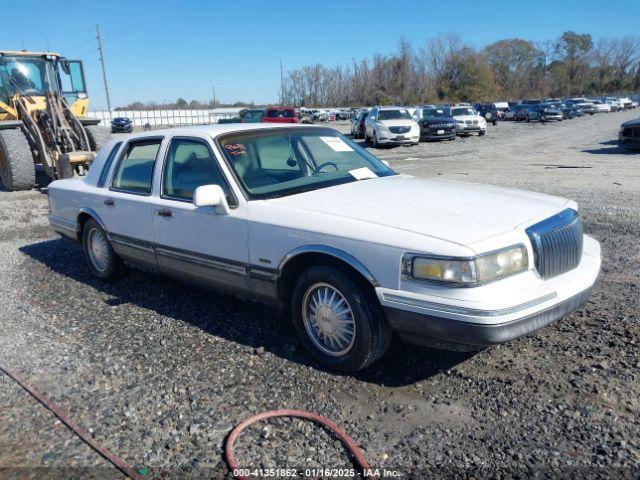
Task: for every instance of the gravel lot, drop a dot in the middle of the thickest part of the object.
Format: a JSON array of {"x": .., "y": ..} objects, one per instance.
[{"x": 160, "y": 371}]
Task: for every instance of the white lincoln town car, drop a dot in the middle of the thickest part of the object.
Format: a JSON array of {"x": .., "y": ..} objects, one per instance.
[{"x": 303, "y": 218}]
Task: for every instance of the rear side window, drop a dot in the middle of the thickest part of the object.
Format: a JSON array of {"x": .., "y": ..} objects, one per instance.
[
  {"x": 107, "y": 165},
  {"x": 134, "y": 173}
]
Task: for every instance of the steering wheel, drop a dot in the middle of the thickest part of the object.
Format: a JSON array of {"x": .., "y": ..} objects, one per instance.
[{"x": 326, "y": 164}]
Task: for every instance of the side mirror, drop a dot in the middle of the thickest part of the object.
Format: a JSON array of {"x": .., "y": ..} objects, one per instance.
[{"x": 211, "y": 196}]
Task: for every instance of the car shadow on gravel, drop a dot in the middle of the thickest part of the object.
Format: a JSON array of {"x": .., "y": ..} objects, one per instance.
[
  {"x": 256, "y": 326},
  {"x": 612, "y": 150}
]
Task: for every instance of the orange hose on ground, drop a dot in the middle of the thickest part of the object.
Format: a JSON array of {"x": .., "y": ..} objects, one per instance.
[{"x": 314, "y": 417}]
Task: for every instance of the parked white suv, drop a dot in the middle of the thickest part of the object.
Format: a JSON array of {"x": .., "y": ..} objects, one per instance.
[
  {"x": 391, "y": 126},
  {"x": 301, "y": 217},
  {"x": 468, "y": 121}
]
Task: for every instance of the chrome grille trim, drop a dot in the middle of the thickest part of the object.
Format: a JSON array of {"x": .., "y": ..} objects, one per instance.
[
  {"x": 399, "y": 129},
  {"x": 557, "y": 243}
]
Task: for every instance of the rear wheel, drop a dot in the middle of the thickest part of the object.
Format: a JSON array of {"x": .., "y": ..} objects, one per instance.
[
  {"x": 98, "y": 136},
  {"x": 17, "y": 171},
  {"x": 337, "y": 322},
  {"x": 103, "y": 262}
]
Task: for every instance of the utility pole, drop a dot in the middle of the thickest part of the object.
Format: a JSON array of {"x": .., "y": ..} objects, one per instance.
[
  {"x": 281, "y": 84},
  {"x": 213, "y": 89},
  {"x": 104, "y": 73}
]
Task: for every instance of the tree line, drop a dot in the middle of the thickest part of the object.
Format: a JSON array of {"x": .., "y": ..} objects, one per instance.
[
  {"x": 446, "y": 69},
  {"x": 180, "y": 104}
]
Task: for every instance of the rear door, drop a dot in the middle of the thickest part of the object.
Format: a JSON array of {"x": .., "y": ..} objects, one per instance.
[{"x": 126, "y": 208}]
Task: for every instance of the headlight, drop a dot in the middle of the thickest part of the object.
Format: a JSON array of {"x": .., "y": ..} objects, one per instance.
[
  {"x": 443, "y": 270},
  {"x": 500, "y": 264},
  {"x": 474, "y": 271}
]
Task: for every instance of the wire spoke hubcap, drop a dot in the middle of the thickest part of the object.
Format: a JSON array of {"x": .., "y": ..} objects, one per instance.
[
  {"x": 328, "y": 319},
  {"x": 98, "y": 250}
]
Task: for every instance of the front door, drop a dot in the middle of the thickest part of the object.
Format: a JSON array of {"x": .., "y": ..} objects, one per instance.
[{"x": 196, "y": 243}]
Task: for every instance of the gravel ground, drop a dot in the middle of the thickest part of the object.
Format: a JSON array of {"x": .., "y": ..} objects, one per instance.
[{"x": 160, "y": 371}]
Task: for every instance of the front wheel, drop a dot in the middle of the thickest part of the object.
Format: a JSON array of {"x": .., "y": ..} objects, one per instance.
[
  {"x": 481, "y": 133},
  {"x": 340, "y": 325}
]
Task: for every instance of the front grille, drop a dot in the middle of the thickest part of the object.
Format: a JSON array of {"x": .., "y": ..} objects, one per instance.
[
  {"x": 471, "y": 122},
  {"x": 399, "y": 129},
  {"x": 557, "y": 243}
]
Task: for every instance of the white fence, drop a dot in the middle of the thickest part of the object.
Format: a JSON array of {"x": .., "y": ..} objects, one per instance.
[{"x": 157, "y": 118}]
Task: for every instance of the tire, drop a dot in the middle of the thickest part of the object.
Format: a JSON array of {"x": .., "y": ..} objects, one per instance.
[
  {"x": 481, "y": 133},
  {"x": 370, "y": 332},
  {"x": 17, "y": 171},
  {"x": 98, "y": 136},
  {"x": 108, "y": 267}
]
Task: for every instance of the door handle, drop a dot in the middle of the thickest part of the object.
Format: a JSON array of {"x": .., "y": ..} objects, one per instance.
[
  {"x": 109, "y": 202},
  {"x": 164, "y": 212}
]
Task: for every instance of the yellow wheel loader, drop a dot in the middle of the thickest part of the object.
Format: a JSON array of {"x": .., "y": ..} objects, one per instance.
[{"x": 43, "y": 103}]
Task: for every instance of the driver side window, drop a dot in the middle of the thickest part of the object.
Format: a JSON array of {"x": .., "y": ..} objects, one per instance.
[{"x": 189, "y": 165}]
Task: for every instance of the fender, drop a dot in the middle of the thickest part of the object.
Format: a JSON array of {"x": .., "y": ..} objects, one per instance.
[
  {"x": 92, "y": 213},
  {"x": 332, "y": 251}
]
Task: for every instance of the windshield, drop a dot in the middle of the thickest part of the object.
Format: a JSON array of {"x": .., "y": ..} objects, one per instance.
[
  {"x": 281, "y": 162},
  {"x": 280, "y": 113},
  {"x": 393, "y": 115},
  {"x": 24, "y": 75},
  {"x": 463, "y": 111},
  {"x": 252, "y": 114},
  {"x": 433, "y": 112}
]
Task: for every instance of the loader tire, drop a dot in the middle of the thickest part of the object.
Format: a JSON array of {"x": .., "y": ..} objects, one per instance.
[
  {"x": 17, "y": 171},
  {"x": 98, "y": 136}
]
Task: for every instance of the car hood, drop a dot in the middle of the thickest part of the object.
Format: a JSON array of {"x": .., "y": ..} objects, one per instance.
[
  {"x": 432, "y": 120},
  {"x": 458, "y": 212},
  {"x": 397, "y": 123},
  {"x": 631, "y": 123},
  {"x": 468, "y": 117}
]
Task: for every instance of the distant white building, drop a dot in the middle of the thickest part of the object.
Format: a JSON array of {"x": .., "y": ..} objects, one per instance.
[{"x": 157, "y": 118}]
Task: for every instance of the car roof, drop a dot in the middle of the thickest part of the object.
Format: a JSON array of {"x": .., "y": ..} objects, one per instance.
[{"x": 220, "y": 129}]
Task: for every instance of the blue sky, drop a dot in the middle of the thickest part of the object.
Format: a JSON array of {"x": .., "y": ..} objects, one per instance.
[{"x": 162, "y": 50}]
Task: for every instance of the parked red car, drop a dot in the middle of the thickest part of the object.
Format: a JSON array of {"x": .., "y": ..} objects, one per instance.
[{"x": 280, "y": 115}]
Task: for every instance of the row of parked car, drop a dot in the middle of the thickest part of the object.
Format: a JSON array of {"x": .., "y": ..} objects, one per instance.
[{"x": 410, "y": 125}]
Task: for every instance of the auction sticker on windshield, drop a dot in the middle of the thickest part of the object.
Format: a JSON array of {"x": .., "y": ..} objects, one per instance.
[
  {"x": 337, "y": 144},
  {"x": 362, "y": 173}
]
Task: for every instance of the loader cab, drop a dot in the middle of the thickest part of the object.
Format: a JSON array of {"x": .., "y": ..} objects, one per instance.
[{"x": 34, "y": 74}]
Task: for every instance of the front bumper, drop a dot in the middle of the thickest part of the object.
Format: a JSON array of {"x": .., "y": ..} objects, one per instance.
[
  {"x": 553, "y": 116},
  {"x": 462, "y": 129},
  {"x": 121, "y": 128},
  {"x": 407, "y": 138},
  {"x": 491, "y": 314},
  {"x": 447, "y": 133}
]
